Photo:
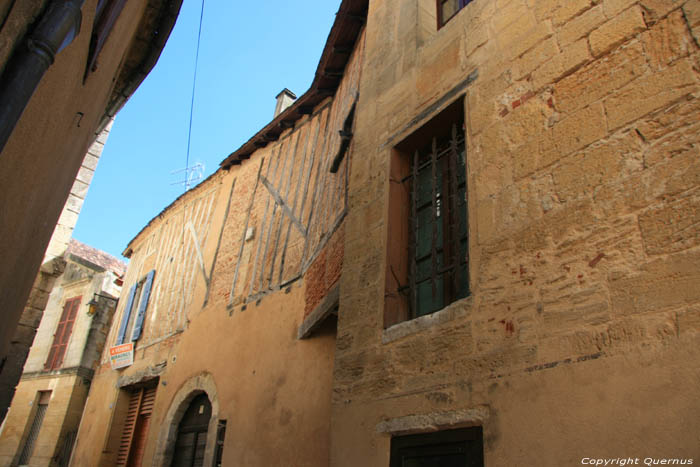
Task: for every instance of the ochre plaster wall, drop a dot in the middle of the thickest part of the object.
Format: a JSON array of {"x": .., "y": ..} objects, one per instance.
[
  {"x": 580, "y": 336},
  {"x": 273, "y": 389}
]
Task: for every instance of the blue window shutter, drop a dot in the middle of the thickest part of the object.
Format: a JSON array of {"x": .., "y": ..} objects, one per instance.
[
  {"x": 125, "y": 317},
  {"x": 138, "y": 325}
]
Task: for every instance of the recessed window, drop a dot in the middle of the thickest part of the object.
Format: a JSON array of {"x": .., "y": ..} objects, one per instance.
[
  {"x": 62, "y": 334},
  {"x": 42, "y": 405},
  {"x": 427, "y": 264},
  {"x": 448, "y": 8},
  {"x": 450, "y": 448}
]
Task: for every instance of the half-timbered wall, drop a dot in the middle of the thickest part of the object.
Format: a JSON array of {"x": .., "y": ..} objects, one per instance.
[
  {"x": 266, "y": 235},
  {"x": 297, "y": 204},
  {"x": 173, "y": 248}
]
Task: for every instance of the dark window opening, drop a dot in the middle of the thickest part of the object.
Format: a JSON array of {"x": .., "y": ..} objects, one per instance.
[
  {"x": 220, "y": 437},
  {"x": 106, "y": 15},
  {"x": 427, "y": 267},
  {"x": 345, "y": 138},
  {"x": 450, "y": 448},
  {"x": 43, "y": 398},
  {"x": 447, "y": 9}
]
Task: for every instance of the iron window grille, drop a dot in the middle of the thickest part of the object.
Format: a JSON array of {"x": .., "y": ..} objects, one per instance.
[
  {"x": 438, "y": 234},
  {"x": 43, "y": 398},
  {"x": 461, "y": 447}
]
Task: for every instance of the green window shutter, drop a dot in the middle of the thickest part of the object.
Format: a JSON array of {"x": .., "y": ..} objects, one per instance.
[
  {"x": 125, "y": 316},
  {"x": 138, "y": 325}
]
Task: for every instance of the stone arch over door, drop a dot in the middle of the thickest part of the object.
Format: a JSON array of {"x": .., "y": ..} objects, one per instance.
[{"x": 200, "y": 384}]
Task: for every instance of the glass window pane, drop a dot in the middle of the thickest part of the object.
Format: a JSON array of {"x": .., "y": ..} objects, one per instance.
[
  {"x": 424, "y": 234},
  {"x": 424, "y": 189},
  {"x": 449, "y": 8},
  {"x": 426, "y": 302},
  {"x": 423, "y": 269}
]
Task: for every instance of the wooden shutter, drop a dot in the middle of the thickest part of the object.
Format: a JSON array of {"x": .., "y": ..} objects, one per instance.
[
  {"x": 128, "y": 431},
  {"x": 143, "y": 305},
  {"x": 125, "y": 316},
  {"x": 135, "y": 432},
  {"x": 62, "y": 334}
]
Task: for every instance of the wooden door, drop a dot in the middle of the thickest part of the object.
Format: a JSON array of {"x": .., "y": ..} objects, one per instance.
[{"x": 192, "y": 434}]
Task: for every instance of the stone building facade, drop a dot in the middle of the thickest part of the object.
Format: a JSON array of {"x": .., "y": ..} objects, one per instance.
[
  {"x": 43, "y": 419},
  {"x": 497, "y": 199},
  {"x": 66, "y": 68},
  {"x": 52, "y": 267}
]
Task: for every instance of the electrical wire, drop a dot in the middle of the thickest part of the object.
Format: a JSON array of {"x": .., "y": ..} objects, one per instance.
[
  {"x": 182, "y": 319},
  {"x": 194, "y": 84}
]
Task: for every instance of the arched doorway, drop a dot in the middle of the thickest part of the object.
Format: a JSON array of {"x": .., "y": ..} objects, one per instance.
[
  {"x": 191, "y": 441},
  {"x": 197, "y": 386}
]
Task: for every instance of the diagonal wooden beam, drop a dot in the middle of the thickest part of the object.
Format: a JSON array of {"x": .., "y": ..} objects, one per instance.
[
  {"x": 278, "y": 198},
  {"x": 197, "y": 247}
]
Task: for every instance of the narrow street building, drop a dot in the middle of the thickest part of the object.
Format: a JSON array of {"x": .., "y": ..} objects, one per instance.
[
  {"x": 66, "y": 68},
  {"x": 52, "y": 267},
  {"x": 473, "y": 241},
  {"x": 42, "y": 423}
]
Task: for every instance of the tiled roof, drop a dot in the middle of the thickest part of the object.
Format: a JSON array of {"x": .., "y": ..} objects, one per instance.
[{"x": 97, "y": 257}]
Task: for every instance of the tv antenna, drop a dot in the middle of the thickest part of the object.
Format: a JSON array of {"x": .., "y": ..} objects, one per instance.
[{"x": 193, "y": 175}]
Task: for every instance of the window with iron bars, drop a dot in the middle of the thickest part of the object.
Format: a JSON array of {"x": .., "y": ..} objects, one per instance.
[
  {"x": 438, "y": 250},
  {"x": 427, "y": 264}
]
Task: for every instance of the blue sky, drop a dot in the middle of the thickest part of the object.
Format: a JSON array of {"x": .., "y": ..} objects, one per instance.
[{"x": 249, "y": 51}]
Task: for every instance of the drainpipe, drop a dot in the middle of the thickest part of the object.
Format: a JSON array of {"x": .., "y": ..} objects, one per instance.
[{"x": 57, "y": 28}]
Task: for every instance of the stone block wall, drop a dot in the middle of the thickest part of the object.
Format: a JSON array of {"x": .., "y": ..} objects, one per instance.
[
  {"x": 52, "y": 267},
  {"x": 583, "y": 178},
  {"x": 62, "y": 416}
]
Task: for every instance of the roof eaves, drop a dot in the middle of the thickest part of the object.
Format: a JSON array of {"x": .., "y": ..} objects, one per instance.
[{"x": 346, "y": 28}]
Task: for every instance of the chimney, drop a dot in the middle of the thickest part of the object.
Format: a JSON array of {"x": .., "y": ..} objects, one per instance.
[{"x": 284, "y": 100}]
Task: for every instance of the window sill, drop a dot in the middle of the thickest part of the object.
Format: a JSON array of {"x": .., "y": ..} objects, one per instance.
[{"x": 458, "y": 309}]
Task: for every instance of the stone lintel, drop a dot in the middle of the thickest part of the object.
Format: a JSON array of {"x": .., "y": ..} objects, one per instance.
[{"x": 434, "y": 421}]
